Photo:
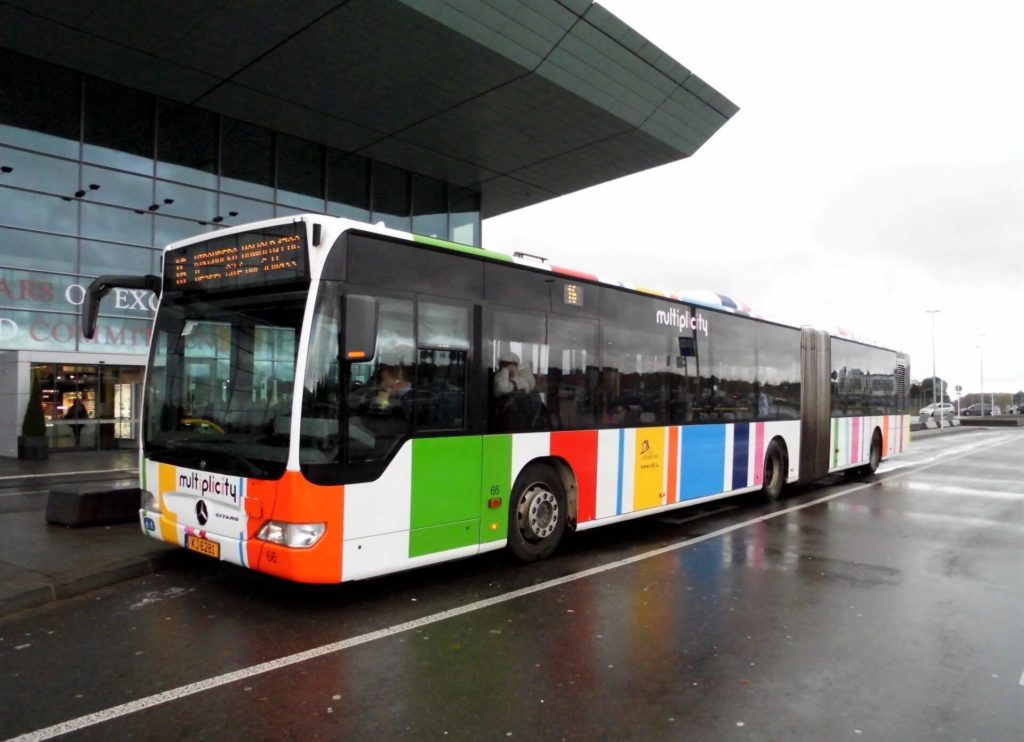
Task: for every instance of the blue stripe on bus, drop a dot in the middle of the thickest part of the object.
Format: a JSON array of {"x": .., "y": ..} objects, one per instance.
[
  {"x": 740, "y": 451},
  {"x": 622, "y": 455},
  {"x": 703, "y": 457},
  {"x": 241, "y": 536}
]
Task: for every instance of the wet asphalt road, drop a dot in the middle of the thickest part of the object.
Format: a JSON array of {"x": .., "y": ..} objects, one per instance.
[{"x": 884, "y": 610}]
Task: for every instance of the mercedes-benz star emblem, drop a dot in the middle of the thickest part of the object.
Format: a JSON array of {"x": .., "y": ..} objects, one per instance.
[{"x": 201, "y": 512}]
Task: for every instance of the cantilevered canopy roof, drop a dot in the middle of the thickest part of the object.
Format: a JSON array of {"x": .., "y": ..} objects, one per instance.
[{"x": 523, "y": 100}]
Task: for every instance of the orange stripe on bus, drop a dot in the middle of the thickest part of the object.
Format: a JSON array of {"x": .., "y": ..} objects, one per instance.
[
  {"x": 168, "y": 482},
  {"x": 673, "y": 464},
  {"x": 299, "y": 501}
]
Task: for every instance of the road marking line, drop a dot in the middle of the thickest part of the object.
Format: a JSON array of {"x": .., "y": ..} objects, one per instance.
[
  {"x": 963, "y": 492},
  {"x": 184, "y": 691}
]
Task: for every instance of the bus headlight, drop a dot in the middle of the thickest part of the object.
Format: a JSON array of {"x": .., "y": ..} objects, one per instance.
[
  {"x": 150, "y": 501},
  {"x": 295, "y": 535}
]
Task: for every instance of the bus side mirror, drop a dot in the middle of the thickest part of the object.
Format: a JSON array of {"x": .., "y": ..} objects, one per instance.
[
  {"x": 359, "y": 342},
  {"x": 101, "y": 286}
]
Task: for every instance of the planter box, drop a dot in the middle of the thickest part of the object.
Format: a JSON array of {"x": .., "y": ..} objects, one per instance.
[
  {"x": 93, "y": 503},
  {"x": 33, "y": 447}
]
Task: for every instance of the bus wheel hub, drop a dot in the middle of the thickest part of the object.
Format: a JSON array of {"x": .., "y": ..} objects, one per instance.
[{"x": 538, "y": 513}]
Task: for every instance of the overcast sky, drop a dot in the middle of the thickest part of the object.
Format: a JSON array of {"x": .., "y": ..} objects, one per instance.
[{"x": 875, "y": 170}]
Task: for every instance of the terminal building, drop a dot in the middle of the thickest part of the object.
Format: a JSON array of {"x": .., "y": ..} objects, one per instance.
[{"x": 126, "y": 126}]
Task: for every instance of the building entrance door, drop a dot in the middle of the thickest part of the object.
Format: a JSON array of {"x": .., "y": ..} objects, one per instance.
[{"x": 90, "y": 408}]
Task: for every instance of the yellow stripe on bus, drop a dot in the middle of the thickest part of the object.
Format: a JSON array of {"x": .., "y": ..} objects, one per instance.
[
  {"x": 649, "y": 481},
  {"x": 167, "y": 482}
]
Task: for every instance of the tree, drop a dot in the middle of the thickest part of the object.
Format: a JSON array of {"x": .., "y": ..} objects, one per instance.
[
  {"x": 940, "y": 390},
  {"x": 34, "y": 424},
  {"x": 32, "y": 441}
]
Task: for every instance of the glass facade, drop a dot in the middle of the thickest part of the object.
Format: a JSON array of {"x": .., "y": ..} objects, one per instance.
[{"x": 96, "y": 178}]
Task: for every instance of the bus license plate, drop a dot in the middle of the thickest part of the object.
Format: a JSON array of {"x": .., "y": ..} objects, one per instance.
[{"x": 204, "y": 546}]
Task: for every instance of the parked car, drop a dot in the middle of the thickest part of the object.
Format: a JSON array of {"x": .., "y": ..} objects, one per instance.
[
  {"x": 979, "y": 408},
  {"x": 939, "y": 410},
  {"x": 1015, "y": 409}
]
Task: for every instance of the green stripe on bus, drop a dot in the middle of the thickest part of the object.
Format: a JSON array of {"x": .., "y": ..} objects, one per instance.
[
  {"x": 445, "y": 494},
  {"x": 467, "y": 249},
  {"x": 835, "y": 443},
  {"x": 495, "y": 484},
  {"x": 446, "y": 536}
]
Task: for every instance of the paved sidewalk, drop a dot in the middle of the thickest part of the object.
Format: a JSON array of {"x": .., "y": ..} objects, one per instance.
[{"x": 41, "y": 563}]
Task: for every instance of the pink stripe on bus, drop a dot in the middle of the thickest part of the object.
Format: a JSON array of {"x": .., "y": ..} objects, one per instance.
[{"x": 759, "y": 453}]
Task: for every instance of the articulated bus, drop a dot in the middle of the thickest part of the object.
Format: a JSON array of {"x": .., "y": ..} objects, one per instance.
[{"x": 328, "y": 401}]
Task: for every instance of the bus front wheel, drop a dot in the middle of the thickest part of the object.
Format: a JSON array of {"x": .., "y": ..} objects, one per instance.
[{"x": 537, "y": 513}]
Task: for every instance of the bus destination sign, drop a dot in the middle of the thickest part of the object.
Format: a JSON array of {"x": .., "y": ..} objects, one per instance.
[{"x": 245, "y": 260}]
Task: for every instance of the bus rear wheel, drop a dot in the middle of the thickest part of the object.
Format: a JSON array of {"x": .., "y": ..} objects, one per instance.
[
  {"x": 875, "y": 457},
  {"x": 537, "y": 513},
  {"x": 774, "y": 472}
]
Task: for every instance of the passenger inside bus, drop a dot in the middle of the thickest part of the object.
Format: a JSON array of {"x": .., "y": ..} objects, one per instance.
[
  {"x": 517, "y": 404},
  {"x": 511, "y": 377},
  {"x": 390, "y": 388}
]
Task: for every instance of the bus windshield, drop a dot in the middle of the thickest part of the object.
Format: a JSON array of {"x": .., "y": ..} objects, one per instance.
[{"x": 221, "y": 379}]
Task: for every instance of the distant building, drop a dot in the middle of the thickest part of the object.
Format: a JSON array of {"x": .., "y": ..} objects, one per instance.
[{"x": 121, "y": 131}]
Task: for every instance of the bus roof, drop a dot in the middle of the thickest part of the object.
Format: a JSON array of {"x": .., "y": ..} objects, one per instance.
[{"x": 702, "y": 298}]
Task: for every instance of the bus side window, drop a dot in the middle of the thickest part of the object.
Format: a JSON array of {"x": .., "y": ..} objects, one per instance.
[
  {"x": 778, "y": 373},
  {"x": 517, "y": 363},
  {"x": 571, "y": 390},
  {"x": 438, "y": 401},
  {"x": 378, "y": 423},
  {"x": 728, "y": 380}
]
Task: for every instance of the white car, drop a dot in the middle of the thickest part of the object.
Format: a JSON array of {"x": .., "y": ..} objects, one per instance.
[{"x": 939, "y": 409}]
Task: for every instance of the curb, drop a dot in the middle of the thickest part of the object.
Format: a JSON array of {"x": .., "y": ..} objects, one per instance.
[
  {"x": 36, "y": 597},
  {"x": 48, "y": 479},
  {"x": 932, "y": 432},
  {"x": 37, "y": 589}
]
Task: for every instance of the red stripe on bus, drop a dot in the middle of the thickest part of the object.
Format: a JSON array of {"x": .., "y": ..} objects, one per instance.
[
  {"x": 579, "y": 449},
  {"x": 573, "y": 273}
]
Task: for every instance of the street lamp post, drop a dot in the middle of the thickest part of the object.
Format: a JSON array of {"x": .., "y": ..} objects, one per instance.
[
  {"x": 933, "y": 312},
  {"x": 981, "y": 362}
]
